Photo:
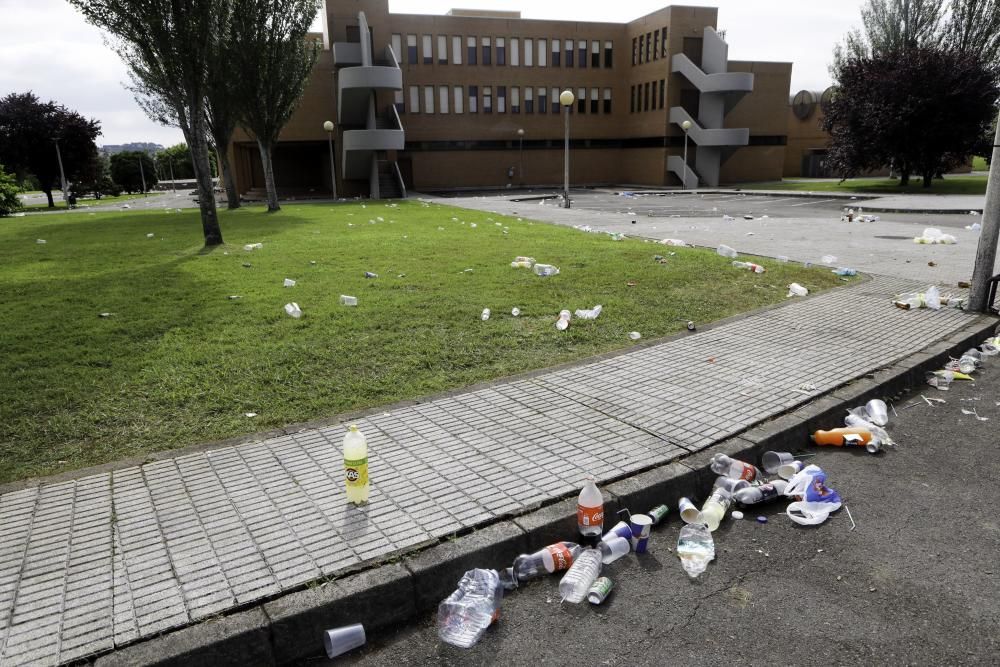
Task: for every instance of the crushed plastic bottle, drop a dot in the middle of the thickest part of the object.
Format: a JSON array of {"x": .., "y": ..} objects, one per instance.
[
  {"x": 844, "y": 271},
  {"x": 589, "y": 314},
  {"x": 729, "y": 484},
  {"x": 796, "y": 289},
  {"x": 695, "y": 548},
  {"x": 545, "y": 270},
  {"x": 485, "y": 314},
  {"x": 749, "y": 266},
  {"x": 553, "y": 558},
  {"x": 734, "y": 468},
  {"x": 292, "y": 309},
  {"x": 726, "y": 251},
  {"x": 465, "y": 614},
  {"x": 754, "y": 495},
  {"x": 346, "y": 300},
  {"x": 581, "y": 576}
]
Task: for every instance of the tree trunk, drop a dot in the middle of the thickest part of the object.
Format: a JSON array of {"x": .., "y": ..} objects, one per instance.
[
  {"x": 48, "y": 193},
  {"x": 232, "y": 196},
  {"x": 904, "y": 178},
  {"x": 206, "y": 195},
  {"x": 928, "y": 179},
  {"x": 272, "y": 190}
]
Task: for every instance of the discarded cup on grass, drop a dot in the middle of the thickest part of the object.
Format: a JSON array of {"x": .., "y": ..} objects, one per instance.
[
  {"x": 688, "y": 510},
  {"x": 341, "y": 640},
  {"x": 634, "y": 335},
  {"x": 289, "y": 282},
  {"x": 293, "y": 310},
  {"x": 348, "y": 300},
  {"x": 485, "y": 314},
  {"x": 590, "y": 314},
  {"x": 515, "y": 311},
  {"x": 253, "y": 246},
  {"x": 796, "y": 289}
]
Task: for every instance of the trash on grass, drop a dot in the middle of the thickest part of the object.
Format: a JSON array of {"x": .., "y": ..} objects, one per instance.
[
  {"x": 726, "y": 251},
  {"x": 522, "y": 262},
  {"x": 695, "y": 548},
  {"x": 545, "y": 270},
  {"x": 41, "y": 241},
  {"x": 844, "y": 271},
  {"x": 348, "y": 300},
  {"x": 150, "y": 235},
  {"x": 515, "y": 311},
  {"x": 465, "y": 614},
  {"x": 634, "y": 335},
  {"x": 485, "y": 314},
  {"x": 674, "y": 242},
  {"x": 749, "y": 266},
  {"x": 796, "y": 289},
  {"x": 293, "y": 310},
  {"x": 369, "y": 274},
  {"x": 253, "y": 246},
  {"x": 589, "y": 314},
  {"x": 289, "y": 282}
]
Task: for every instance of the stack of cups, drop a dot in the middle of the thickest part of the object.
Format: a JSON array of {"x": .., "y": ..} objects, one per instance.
[
  {"x": 782, "y": 463},
  {"x": 615, "y": 542}
]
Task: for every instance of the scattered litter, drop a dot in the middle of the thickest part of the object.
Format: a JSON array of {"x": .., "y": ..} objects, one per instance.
[
  {"x": 974, "y": 227},
  {"x": 472, "y": 225},
  {"x": 250, "y": 414},
  {"x": 796, "y": 289},
  {"x": 289, "y": 282},
  {"x": 485, "y": 314},
  {"x": 293, "y": 310},
  {"x": 589, "y": 314},
  {"x": 577, "y": 582},
  {"x": 41, "y": 241},
  {"x": 105, "y": 315},
  {"x": 465, "y": 614},
  {"x": 253, "y": 246},
  {"x": 247, "y": 265},
  {"x": 631, "y": 283},
  {"x": 515, "y": 312},
  {"x": 150, "y": 235},
  {"x": 522, "y": 262},
  {"x": 749, "y": 266},
  {"x": 847, "y": 436},
  {"x": 312, "y": 262},
  {"x": 634, "y": 335},
  {"x": 818, "y": 500},
  {"x": 913, "y": 300},
  {"x": 728, "y": 218},
  {"x": 762, "y": 519},
  {"x": 346, "y": 300},
  {"x": 599, "y": 592},
  {"x": 973, "y": 412},
  {"x": 674, "y": 242},
  {"x": 726, "y": 251},
  {"x": 545, "y": 270},
  {"x": 844, "y": 271},
  {"x": 934, "y": 236},
  {"x": 736, "y": 514},
  {"x": 748, "y": 217},
  {"x": 369, "y": 274},
  {"x": 233, "y": 297},
  {"x": 695, "y": 548},
  {"x": 467, "y": 270},
  {"x": 563, "y": 322}
]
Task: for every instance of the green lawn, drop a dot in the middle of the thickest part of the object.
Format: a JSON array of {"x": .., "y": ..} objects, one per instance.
[
  {"x": 979, "y": 164},
  {"x": 84, "y": 202},
  {"x": 179, "y": 363},
  {"x": 952, "y": 185}
]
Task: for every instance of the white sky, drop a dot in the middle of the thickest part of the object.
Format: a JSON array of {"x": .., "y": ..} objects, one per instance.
[{"x": 45, "y": 46}]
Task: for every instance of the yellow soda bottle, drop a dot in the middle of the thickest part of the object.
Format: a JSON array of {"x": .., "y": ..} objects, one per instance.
[{"x": 356, "y": 465}]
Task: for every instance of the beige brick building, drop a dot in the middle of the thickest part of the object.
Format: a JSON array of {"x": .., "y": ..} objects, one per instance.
[{"x": 470, "y": 100}]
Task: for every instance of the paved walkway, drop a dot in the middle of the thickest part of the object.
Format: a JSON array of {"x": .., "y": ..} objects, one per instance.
[{"x": 98, "y": 562}]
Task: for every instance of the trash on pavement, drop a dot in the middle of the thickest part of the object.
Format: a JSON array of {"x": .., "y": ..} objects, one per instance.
[
  {"x": 734, "y": 468},
  {"x": 726, "y": 251},
  {"x": 589, "y": 314},
  {"x": 485, "y": 314},
  {"x": 974, "y": 227},
  {"x": 346, "y": 300},
  {"x": 613, "y": 548},
  {"x": 341, "y": 640},
  {"x": 942, "y": 379},
  {"x": 553, "y": 558},
  {"x": 828, "y": 259},
  {"x": 695, "y": 548},
  {"x": 736, "y": 514},
  {"x": 641, "y": 526},
  {"x": 796, "y": 289},
  {"x": 590, "y": 510},
  {"x": 818, "y": 500},
  {"x": 545, "y": 270},
  {"x": 934, "y": 236},
  {"x": 715, "y": 508},
  {"x": 355, "y": 447},
  {"x": 292, "y": 309},
  {"x": 748, "y": 217},
  {"x": 773, "y": 462},
  {"x": 973, "y": 412},
  {"x": 600, "y": 590},
  {"x": 688, "y": 510},
  {"x": 289, "y": 282},
  {"x": 465, "y": 614},
  {"x": 674, "y": 242},
  {"x": 634, "y": 335},
  {"x": 576, "y": 583},
  {"x": 846, "y": 437},
  {"x": 754, "y": 495},
  {"x": 749, "y": 266},
  {"x": 658, "y": 513}
]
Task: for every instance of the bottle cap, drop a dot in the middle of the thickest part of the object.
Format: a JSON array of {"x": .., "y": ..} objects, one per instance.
[{"x": 353, "y": 428}]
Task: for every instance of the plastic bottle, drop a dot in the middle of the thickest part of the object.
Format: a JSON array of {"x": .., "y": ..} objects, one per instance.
[
  {"x": 553, "y": 558},
  {"x": 967, "y": 364},
  {"x": 735, "y": 469},
  {"x": 726, "y": 251},
  {"x": 485, "y": 315},
  {"x": 760, "y": 494},
  {"x": 545, "y": 270},
  {"x": 577, "y": 582},
  {"x": 695, "y": 548},
  {"x": 465, "y": 614},
  {"x": 590, "y": 511},
  {"x": 729, "y": 484},
  {"x": 356, "y": 465},
  {"x": 843, "y": 437},
  {"x": 715, "y": 508},
  {"x": 749, "y": 266},
  {"x": 843, "y": 271}
]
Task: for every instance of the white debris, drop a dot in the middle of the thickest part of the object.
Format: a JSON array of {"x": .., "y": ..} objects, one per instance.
[
  {"x": 150, "y": 235},
  {"x": 934, "y": 236},
  {"x": 634, "y": 335},
  {"x": 289, "y": 282},
  {"x": 249, "y": 414},
  {"x": 253, "y": 246},
  {"x": 590, "y": 314},
  {"x": 293, "y": 310},
  {"x": 41, "y": 241},
  {"x": 828, "y": 259}
]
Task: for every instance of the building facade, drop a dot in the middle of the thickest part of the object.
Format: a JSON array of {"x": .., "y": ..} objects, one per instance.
[{"x": 471, "y": 100}]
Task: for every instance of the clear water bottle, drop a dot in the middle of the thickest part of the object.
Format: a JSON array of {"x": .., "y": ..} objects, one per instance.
[
  {"x": 465, "y": 614},
  {"x": 729, "y": 467},
  {"x": 577, "y": 582},
  {"x": 590, "y": 511},
  {"x": 761, "y": 494},
  {"x": 731, "y": 485},
  {"x": 553, "y": 558},
  {"x": 695, "y": 548},
  {"x": 715, "y": 508}
]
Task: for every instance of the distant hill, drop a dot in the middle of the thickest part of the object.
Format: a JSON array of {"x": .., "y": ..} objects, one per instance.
[{"x": 111, "y": 149}]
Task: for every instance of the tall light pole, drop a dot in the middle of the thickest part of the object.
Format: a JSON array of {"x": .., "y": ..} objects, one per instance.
[
  {"x": 328, "y": 126},
  {"x": 142, "y": 174},
  {"x": 173, "y": 182},
  {"x": 686, "y": 125},
  {"x": 62, "y": 175},
  {"x": 520, "y": 152},
  {"x": 566, "y": 99}
]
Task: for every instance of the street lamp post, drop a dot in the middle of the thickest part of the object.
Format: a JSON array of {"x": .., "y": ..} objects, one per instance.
[
  {"x": 142, "y": 175},
  {"x": 686, "y": 125},
  {"x": 328, "y": 126},
  {"x": 173, "y": 182},
  {"x": 566, "y": 99},
  {"x": 520, "y": 154},
  {"x": 62, "y": 175}
]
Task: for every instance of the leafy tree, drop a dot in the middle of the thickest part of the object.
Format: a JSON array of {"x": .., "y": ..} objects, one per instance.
[
  {"x": 922, "y": 108},
  {"x": 274, "y": 60},
  {"x": 177, "y": 160},
  {"x": 96, "y": 180},
  {"x": 973, "y": 26},
  {"x": 29, "y": 130},
  {"x": 9, "y": 200},
  {"x": 126, "y": 172},
  {"x": 222, "y": 103},
  {"x": 166, "y": 47}
]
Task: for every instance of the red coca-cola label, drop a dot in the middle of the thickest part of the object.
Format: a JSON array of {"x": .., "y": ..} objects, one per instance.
[
  {"x": 590, "y": 516},
  {"x": 562, "y": 558},
  {"x": 749, "y": 472}
]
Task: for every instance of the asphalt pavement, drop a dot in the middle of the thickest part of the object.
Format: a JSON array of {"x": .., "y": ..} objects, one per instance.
[{"x": 915, "y": 583}]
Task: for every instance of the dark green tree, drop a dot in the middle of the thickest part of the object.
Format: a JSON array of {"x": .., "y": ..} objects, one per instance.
[
  {"x": 166, "y": 47},
  {"x": 10, "y": 202},
  {"x": 127, "y": 172},
  {"x": 29, "y": 132},
  {"x": 222, "y": 103},
  {"x": 95, "y": 180},
  {"x": 274, "y": 59},
  {"x": 177, "y": 160}
]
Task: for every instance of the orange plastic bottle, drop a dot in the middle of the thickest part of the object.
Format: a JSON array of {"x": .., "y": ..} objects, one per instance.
[{"x": 836, "y": 437}]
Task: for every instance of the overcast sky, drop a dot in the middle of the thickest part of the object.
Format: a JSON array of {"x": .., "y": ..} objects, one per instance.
[{"x": 45, "y": 46}]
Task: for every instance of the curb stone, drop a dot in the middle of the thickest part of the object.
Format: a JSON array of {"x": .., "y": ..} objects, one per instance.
[{"x": 288, "y": 629}]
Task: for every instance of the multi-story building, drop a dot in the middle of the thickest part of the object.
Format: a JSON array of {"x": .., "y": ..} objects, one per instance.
[{"x": 471, "y": 100}]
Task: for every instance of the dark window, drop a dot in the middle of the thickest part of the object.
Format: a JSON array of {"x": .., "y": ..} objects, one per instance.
[
  {"x": 595, "y": 54},
  {"x": 642, "y": 47},
  {"x": 486, "y": 54},
  {"x": 631, "y": 103},
  {"x": 555, "y": 104},
  {"x": 529, "y": 105},
  {"x": 656, "y": 45},
  {"x": 663, "y": 42},
  {"x": 543, "y": 101},
  {"x": 583, "y": 55},
  {"x": 607, "y": 105},
  {"x": 607, "y": 55},
  {"x": 581, "y": 104},
  {"x": 569, "y": 54},
  {"x": 649, "y": 45},
  {"x": 645, "y": 97},
  {"x": 473, "y": 99},
  {"x": 662, "y": 92},
  {"x": 555, "y": 56},
  {"x": 501, "y": 54},
  {"x": 487, "y": 99},
  {"x": 411, "y": 54},
  {"x": 471, "y": 53},
  {"x": 652, "y": 104},
  {"x": 594, "y": 107},
  {"x": 635, "y": 51}
]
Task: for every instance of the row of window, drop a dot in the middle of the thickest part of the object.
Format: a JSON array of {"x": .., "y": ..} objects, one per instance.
[
  {"x": 455, "y": 99},
  {"x": 481, "y": 51},
  {"x": 649, "y": 47},
  {"x": 648, "y": 96}
]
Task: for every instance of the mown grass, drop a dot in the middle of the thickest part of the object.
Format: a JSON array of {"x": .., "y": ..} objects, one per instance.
[
  {"x": 950, "y": 185},
  {"x": 178, "y": 362}
]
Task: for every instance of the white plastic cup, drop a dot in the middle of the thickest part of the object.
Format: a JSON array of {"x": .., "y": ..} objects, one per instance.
[
  {"x": 614, "y": 548},
  {"x": 772, "y": 461},
  {"x": 289, "y": 282},
  {"x": 688, "y": 511},
  {"x": 348, "y": 300},
  {"x": 341, "y": 640},
  {"x": 789, "y": 470},
  {"x": 620, "y": 529},
  {"x": 878, "y": 412}
]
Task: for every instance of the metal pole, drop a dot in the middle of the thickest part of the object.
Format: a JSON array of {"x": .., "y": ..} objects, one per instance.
[
  {"x": 333, "y": 166},
  {"x": 62, "y": 175},
  {"x": 685, "y": 158},
  {"x": 173, "y": 181},
  {"x": 986, "y": 252},
  {"x": 566, "y": 160},
  {"x": 520, "y": 158},
  {"x": 142, "y": 175}
]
